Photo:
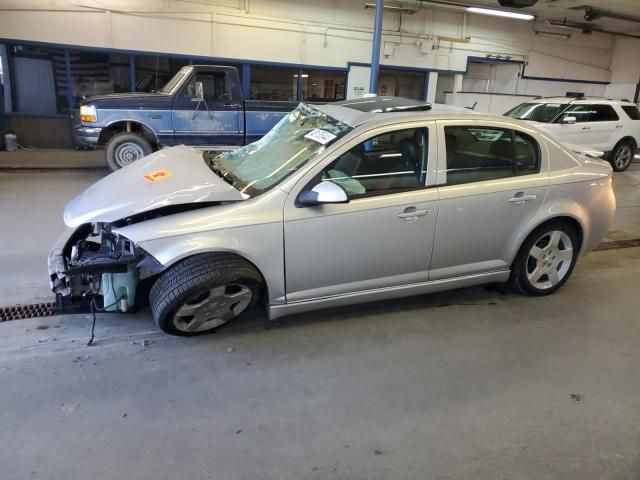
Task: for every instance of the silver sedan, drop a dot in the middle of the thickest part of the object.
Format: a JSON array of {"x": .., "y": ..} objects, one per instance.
[{"x": 351, "y": 202}]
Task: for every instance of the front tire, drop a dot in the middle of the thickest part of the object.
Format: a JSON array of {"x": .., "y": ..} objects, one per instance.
[
  {"x": 545, "y": 260},
  {"x": 203, "y": 292},
  {"x": 622, "y": 155},
  {"x": 125, "y": 148}
]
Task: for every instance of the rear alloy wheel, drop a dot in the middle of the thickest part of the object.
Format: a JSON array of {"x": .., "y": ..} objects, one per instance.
[
  {"x": 545, "y": 260},
  {"x": 203, "y": 293},
  {"x": 125, "y": 148},
  {"x": 622, "y": 156}
]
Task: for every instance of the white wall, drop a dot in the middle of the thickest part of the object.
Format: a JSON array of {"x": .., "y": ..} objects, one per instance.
[
  {"x": 323, "y": 32},
  {"x": 625, "y": 68}
]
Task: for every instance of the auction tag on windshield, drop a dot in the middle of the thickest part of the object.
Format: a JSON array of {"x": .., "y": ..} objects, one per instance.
[
  {"x": 157, "y": 175},
  {"x": 321, "y": 136}
]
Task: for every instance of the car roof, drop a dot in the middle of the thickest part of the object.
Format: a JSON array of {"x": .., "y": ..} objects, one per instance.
[
  {"x": 369, "y": 109},
  {"x": 580, "y": 100}
]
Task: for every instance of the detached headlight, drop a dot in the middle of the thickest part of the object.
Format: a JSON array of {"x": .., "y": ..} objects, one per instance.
[{"x": 88, "y": 113}]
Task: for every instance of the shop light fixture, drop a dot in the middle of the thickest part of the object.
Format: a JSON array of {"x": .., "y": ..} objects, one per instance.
[
  {"x": 304, "y": 75},
  {"x": 501, "y": 13}
]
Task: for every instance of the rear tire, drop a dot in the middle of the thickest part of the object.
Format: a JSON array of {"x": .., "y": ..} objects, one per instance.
[
  {"x": 622, "y": 155},
  {"x": 203, "y": 292},
  {"x": 125, "y": 148},
  {"x": 545, "y": 260}
]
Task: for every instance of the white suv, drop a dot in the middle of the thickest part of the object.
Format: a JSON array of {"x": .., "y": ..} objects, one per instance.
[{"x": 610, "y": 126}]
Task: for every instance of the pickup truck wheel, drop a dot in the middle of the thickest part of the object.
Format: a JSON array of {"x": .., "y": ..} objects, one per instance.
[
  {"x": 125, "y": 148},
  {"x": 202, "y": 293},
  {"x": 622, "y": 155}
]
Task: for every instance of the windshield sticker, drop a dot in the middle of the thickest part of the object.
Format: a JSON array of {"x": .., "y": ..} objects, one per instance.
[
  {"x": 157, "y": 175},
  {"x": 321, "y": 136}
]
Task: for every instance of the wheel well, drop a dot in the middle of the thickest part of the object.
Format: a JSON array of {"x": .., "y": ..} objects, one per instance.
[
  {"x": 628, "y": 139},
  {"x": 568, "y": 220},
  {"x": 128, "y": 126},
  {"x": 150, "y": 281}
]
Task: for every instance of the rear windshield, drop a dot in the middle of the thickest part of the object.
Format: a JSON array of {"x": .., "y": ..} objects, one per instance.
[
  {"x": 632, "y": 111},
  {"x": 537, "y": 112}
]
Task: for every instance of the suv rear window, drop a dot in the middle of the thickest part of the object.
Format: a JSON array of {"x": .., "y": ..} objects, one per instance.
[{"x": 632, "y": 111}]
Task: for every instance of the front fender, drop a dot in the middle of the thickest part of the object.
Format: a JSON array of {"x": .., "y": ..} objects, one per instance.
[{"x": 262, "y": 245}]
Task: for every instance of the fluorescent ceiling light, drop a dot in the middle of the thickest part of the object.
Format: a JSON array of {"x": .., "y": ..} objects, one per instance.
[
  {"x": 500, "y": 13},
  {"x": 304, "y": 75}
]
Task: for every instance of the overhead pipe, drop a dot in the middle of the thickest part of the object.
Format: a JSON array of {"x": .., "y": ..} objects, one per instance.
[{"x": 375, "y": 52}]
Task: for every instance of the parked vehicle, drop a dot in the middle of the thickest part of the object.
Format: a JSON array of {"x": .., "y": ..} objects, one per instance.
[
  {"x": 610, "y": 126},
  {"x": 201, "y": 105},
  {"x": 341, "y": 203}
]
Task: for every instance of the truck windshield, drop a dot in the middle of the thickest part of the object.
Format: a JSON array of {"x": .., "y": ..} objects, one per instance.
[
  {"x": 296, "y": 138},
  {"x": 175, "y": 80},
  {"x": 537, "y": 112}
]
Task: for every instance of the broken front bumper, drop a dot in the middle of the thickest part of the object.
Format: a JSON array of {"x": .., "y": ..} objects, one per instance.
[{"x": 90, "y": 263}]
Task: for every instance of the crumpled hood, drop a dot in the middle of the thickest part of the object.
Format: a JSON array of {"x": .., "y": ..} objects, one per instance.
[{"x": 171, "y": 176}]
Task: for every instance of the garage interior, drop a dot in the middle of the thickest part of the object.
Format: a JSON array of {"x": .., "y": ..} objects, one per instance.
[{"x": 475, "y": 383}]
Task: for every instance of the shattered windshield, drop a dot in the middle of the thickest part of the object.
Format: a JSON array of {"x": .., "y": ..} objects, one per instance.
[
  {"x": 537, "y": 112},
  {"x": 299, "y": 136}
]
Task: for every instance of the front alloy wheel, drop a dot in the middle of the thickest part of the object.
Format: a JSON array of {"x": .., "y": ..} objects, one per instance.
[
  {"x": 212, "y": 308},
  {"x": 203, "y": 292}
]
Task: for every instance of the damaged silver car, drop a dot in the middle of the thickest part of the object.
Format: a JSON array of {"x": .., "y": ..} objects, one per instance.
[{"x": 351, "y": 202}]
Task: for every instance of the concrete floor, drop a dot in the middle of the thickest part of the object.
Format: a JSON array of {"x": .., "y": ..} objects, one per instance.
[{"x": 471, "y": 384}]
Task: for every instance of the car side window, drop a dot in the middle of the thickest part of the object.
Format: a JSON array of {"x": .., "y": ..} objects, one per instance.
[
  {"x": 632, "y": 111},
  {"x": 476, "y": 154},
  {"x": 580, "y": 112},
  {"x": 215, "y": 86},
  {"x": 388, "y": 163},
  {"x": 603, "y": 113}
]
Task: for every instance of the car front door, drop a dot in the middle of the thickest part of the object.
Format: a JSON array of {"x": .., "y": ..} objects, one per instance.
[
  {"x": 383, "y": 236},
  {"x": 213, "y": 119},
  {"x": 492, "y": 181}
]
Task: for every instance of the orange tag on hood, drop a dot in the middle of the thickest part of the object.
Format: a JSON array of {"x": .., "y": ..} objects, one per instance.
[{"x": 157, "y": 175}]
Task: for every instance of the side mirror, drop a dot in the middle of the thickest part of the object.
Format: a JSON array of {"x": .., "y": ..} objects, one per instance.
[
  {"x": 569, "y": 120},
  {"x": 199, "y": 93},
  {"x": 324, "y": 192}
]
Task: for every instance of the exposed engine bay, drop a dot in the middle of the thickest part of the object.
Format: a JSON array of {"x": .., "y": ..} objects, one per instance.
[{"x": 95, "y": 264}]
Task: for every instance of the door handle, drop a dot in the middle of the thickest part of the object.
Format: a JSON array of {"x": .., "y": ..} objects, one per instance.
[
  {"x": 520, "y": 198},
  {"x": 586, "y": 128},
  {"x": 618, "y": 126},
  {"x": 411, "y": 213}
]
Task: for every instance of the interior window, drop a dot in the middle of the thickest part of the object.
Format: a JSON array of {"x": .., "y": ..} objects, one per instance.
[
  {"x": 214, "y": 86},
  {"x": 388, "y": 163},
  {"x": 603, "y": 113},
  {"x": 475, "y": 154}
]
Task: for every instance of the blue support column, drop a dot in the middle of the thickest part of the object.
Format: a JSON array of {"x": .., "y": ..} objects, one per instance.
[
  {"x": 425, "y": 86},
  {"x": 246, "y": 81},
  {"x": 299, "y": 88},
  {"x": 67, "y": 65},
  {"x": 132, "y": 72},
  {"x": 375, "y": 53}
]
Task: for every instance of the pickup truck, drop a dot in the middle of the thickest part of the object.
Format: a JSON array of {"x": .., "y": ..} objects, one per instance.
[{"x": 202, "y": 105}]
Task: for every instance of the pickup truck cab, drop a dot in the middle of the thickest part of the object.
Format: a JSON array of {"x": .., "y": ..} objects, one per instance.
[
  {"x": 609, "y": 126},
  {"x": 202, "y": 105}
]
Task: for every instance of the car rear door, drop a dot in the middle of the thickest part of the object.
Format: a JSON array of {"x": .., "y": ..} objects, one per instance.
[
  {"x": 605, "y": 127},
  {"x": 214, "y": 120},
  {"x": 492, "y": 180},
  {"x": 383, "y": 236}
]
